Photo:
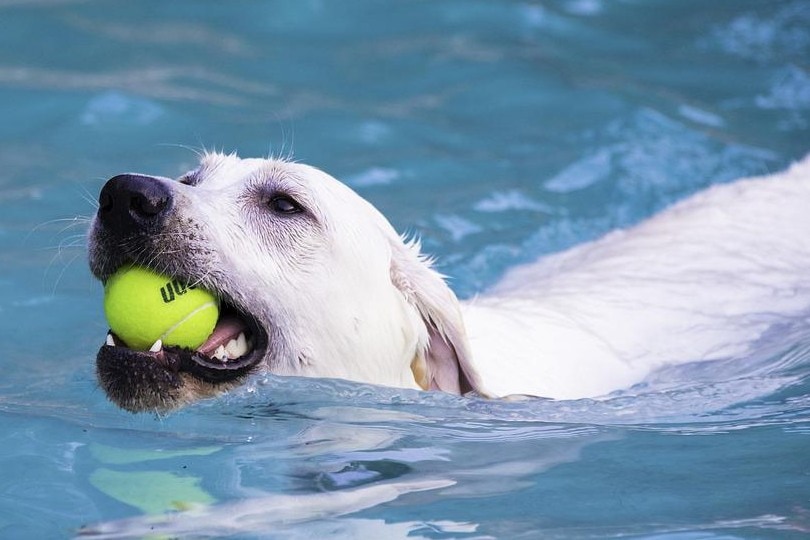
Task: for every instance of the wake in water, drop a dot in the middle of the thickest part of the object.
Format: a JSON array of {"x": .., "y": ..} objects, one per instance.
[{"x": 346, "y": 448}]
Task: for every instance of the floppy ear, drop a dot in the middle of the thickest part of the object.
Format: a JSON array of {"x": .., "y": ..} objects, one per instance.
[{"x": 443, "y": 360}]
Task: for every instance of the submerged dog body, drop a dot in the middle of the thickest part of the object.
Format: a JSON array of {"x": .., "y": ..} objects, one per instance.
[{"x": 327, "y": 288}]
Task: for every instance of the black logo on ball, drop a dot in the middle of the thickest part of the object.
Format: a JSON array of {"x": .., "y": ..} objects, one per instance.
[{"x": 173, "y": 289}]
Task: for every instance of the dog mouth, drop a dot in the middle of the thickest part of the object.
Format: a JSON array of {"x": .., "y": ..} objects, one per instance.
[{"x": 236, "y": 345}]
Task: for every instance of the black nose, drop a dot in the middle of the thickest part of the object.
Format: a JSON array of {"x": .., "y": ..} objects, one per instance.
[{"x": 132, "y": 203}]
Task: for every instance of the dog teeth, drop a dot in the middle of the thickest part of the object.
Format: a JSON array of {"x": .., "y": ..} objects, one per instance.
[
  {"x": 233, "y": 349},
  {"x": 156, "y": 347},
  {"x": 237, "y": 347},
  {"x": 110, "y": 340}
]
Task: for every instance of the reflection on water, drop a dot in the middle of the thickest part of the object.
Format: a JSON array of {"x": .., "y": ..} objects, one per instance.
[{"x": 295, "y": 465}]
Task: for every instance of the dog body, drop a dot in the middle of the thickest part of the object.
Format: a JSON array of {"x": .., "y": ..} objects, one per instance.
[
  {"x": 327, "y": 288},
  {"x": 704, "y": 280}
]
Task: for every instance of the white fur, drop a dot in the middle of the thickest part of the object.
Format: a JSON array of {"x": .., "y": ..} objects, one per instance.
[
  {"x": 347, "y": 298},
  {"x": 702, "y": 280},
  {"x": 324, "y": 292}
]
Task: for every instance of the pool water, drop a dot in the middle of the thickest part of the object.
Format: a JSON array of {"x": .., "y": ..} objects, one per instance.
[{"x": 498, "y": 131}]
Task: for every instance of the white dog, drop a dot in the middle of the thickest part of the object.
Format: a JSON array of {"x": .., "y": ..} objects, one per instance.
[{"x": 321, "y": 285}]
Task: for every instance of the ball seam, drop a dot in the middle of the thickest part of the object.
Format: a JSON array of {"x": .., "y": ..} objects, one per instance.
[{"x": 187, "y": 317}]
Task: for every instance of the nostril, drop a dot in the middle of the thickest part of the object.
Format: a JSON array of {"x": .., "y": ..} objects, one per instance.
[
  {"x": 148, "y": 205},
  {"x": 105, "y": 202}
]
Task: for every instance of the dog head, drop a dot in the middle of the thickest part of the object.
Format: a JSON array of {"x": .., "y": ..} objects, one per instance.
[{"x": 313, "y": 274}]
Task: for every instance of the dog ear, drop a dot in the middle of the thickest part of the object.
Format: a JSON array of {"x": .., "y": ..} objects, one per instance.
[{"x": 442, "y": 360}]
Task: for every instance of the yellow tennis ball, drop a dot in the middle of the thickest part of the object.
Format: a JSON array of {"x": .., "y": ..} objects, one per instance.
[{"x": 143, "y": 307}]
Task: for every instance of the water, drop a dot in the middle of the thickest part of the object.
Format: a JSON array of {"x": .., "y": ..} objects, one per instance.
[{"x": 499, "y": 131}]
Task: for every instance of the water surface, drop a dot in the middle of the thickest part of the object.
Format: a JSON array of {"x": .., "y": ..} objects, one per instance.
[{"x": 498, "y": 131}]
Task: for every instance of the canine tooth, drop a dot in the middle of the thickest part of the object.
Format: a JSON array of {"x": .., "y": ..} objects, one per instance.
[
  {"x": 110, "y": 340},
  {"x": 157, "y": 346}
]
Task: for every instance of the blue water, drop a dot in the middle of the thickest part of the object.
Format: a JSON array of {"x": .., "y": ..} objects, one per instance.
[{"x": 498, "y": 131}]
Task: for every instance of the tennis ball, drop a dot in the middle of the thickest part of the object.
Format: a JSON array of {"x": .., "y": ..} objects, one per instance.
[{"x": 143, "y": 307}]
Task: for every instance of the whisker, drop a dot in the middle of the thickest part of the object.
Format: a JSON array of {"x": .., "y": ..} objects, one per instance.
[
  {"x": 199, "y": 152},
  {"x": 71, "y": 222},
  {"x": 88, "y": 197},
  {"x": 61, "y": 273}
]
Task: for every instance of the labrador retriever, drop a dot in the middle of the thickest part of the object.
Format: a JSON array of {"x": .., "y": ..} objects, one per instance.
[{"x": 320, "y": 284}]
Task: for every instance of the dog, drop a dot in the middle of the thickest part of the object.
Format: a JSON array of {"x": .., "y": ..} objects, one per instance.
[{"x": 321, "y": 285}]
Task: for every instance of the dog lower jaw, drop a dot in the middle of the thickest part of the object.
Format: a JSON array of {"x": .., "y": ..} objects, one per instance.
[
  {"x": 167, "y": 378},
  {"x": 136, "y": 382}
]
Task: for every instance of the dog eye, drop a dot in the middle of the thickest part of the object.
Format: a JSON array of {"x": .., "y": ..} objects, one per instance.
[{"x": 284, "y": 204}]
